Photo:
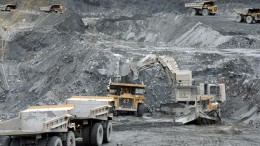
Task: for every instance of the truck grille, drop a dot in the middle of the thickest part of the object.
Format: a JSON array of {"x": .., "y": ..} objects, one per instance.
[{"x": 126, "y": 102}]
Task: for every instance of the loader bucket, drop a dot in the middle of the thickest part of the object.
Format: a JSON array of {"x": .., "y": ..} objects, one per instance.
[{"x": 197, "y": 117}]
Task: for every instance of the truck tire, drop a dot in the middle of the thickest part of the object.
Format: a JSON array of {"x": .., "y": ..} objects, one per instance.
[
  {"x": 15, "y": 142},
  {"x": 239, "y": 18},
  {"x": 205, "y": 12},
  {"x": 249, "y": 19},
  {"x": 54, "y": 141},
  {"x": 140, "y": 110},
  {"x": 7, "y": 142},
  {"x": 108, "y": 132},
  {"x": 86, "y": 135},
  {"x": 42, "y": 142},
  {"x": 96, "y": 135},
  {"x": 70, "y": 139},
  {"x": 193, "y": 12}
]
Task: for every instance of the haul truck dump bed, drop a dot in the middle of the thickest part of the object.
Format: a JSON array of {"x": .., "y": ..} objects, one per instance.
[{"x": 61, "y": 123}]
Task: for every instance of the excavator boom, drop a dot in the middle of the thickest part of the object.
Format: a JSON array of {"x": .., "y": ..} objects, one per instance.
[{"x": 169, "y": 65}]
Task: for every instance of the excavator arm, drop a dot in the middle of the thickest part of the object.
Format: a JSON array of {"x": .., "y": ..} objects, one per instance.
[{"x": 169, "y": 64}]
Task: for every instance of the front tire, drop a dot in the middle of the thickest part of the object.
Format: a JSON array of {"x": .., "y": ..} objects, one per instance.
[
  {"x": 97, "y": 134},
  {"x": 205, "y": 12},
  {"x": 140, "y": 110},
  {"x": 249, "y": 19},
  {"x": 239, "y": 18},
  {"x": 54, "y": 141},
  {"x": 108, "y": 132},
  {"x": 70, "y": 140}
]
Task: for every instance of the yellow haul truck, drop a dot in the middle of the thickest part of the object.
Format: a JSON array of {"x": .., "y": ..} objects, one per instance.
[
  {"x": 204, "y": 8},
  {"x": 127, "y": 97},
  {"x": 248, "y": 15}
]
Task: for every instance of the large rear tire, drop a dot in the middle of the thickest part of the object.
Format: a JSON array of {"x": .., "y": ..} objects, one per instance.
[
  {"x": 54, "y": 141},
  {"x": 86, "y": 135},
  {"x": 97, "y": 134},
  {"x": 70, "y": 140},
  {"x": 205, "y": 12},
  {"x": 249, "y": 19},
  {"x": 239, "y": 18},
  {"x": 140, "y": 110},
  {"x": 15, "y": 142},
  {"x": 193, "y": 12},
  {"x": 7, "y": 142},
  {"x": 108, "y": 132}
]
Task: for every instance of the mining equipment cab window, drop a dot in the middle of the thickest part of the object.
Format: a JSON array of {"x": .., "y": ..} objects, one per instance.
[
  {"x": 115, "y": 90},
  {"x": 119, "y": 90},
  {"x": 139, "y": 91},
  {"x": 204, "y": 104},
  {"x": 214, "y": 90}
]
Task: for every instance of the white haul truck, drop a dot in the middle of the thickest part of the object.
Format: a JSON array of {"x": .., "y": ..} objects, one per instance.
[{"x": 84, "y": 117}]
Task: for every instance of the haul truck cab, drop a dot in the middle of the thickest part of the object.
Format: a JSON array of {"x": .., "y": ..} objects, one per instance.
[{"x": 127, "y": 97}]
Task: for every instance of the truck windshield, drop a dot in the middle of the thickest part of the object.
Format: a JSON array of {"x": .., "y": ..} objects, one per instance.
[{"x": 139, "y": 91}]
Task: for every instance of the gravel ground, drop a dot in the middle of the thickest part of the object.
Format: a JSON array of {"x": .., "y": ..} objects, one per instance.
[
  {"x": 53, "y": 56},
  {"x": 160, "y": 131}
]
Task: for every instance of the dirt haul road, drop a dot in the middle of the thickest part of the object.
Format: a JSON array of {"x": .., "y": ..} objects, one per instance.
[{"x": 148, "y": 131}]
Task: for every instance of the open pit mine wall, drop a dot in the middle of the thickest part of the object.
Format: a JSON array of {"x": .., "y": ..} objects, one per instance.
[{"x": 53, "y": 56}]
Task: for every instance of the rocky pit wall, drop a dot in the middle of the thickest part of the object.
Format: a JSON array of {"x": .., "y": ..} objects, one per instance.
[{"x": 53, "y": 56}]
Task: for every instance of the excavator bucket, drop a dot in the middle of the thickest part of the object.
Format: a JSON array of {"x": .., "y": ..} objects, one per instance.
[{"x": 177, "y": 109}]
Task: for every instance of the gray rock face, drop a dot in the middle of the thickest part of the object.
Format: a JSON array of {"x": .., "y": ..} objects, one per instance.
[{"x": 54, "y": 56}]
